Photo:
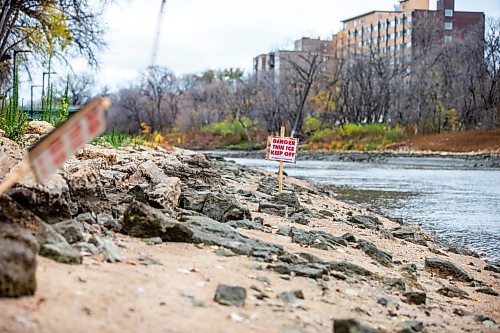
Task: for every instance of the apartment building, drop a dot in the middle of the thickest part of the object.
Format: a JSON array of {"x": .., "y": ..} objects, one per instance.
[
  {"x": 278, "y": 62},
  {"x": 396, "y": 33}
]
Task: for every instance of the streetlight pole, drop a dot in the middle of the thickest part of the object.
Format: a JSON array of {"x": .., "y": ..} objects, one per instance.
[
  {"x": 31, "y": 110},
  {"x": 43, "y": 81},
  {"x": 14, "y": 62}
]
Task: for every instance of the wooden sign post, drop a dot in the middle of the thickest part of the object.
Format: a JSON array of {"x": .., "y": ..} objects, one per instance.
[
  {"x": 281, "y": 149},
  {"x": 50, "y": 154},
  {"x": 280, "y": 173}
]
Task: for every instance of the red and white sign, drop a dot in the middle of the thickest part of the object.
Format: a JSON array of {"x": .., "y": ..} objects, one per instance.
[
  {"x": 52, "y": 152},
  {"x": 282, "y": 149}
]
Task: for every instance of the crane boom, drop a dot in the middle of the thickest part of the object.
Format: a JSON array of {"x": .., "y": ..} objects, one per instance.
[{"x": 156, "y": 40}]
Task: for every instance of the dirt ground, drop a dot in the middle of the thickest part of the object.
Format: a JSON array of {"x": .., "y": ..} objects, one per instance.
[
  {"x": 460, "y": 142},
  {"x": 176, "y": 294}
]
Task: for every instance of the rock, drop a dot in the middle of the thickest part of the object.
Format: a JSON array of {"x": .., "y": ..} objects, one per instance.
[
  {"x": 273, "y": 209},
  {"x": 143, "y": 221},
  {"x": 492, "y": 268},
  {"x": 10, "y": 155},
  {"x": 210, "y": 232},
  {"x": 313, "y": 271},
  {"x": 446, "y": 268},
  {"x": 18, "y": 250},
  {"x": 85, "y": 248},
  {"x": 299, "y": 218},
  {"x": 383, "y": 301},
  {"x": 395, "y": 284},
  {"x": 223, "y": 208},
  {"x": 87, "y": 218},
  {"x": 310, "y": 257},
  {"x": 61, "y": 252},
  {"x": 487, "y": 290},
  {"x": 108, "y": 221},
  {"x": 166, "y": 193},
  {"x": 317, "y": 239},
  {"x": 222, "y": 252},
  {"x": 246, "y": 224},
  {"x": 326, "y": 213},
  {"x": 351, "y": 326},
  {"x": 232, "y": 296},
  {"x": 348, "y": 268},
  {"x": 451, "y": 291},
  {"x": 71, "y": 230},
  {"x": 51, "y": 202},
  {"x": 365, "y": 222},
  {"x": 107, "y": 247},
  {"x": 13, "y": 213},
  {"x": 38, "y": 127},
  {"x": 291, "y": 297},
  {"x": 152, "y": 241},
  {"x": 192, "y": 200},
  {"x": 372, "y": 251},
  {"x": 284, "y": 230},
  {"x": 410, "y": 326},
  {"x": 415, "y": 297},
  {"x": 287, "y": 198},
  {"x": 408, "y": 234},
  {"x": 462, "y": 251},
  {"x": 348, "y": 237},
  {"x": 268, "y": 185}
]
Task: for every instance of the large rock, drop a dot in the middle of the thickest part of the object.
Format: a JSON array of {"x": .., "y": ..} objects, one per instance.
[
  {"x": 51, "y": 201},
  {"x": 375, "y": 253},
  {"x": 192, "y": 200},
  {"x": 317, "y": 239},
  {"x": 10, "y": 155},
  {"x": 166, "y": 193},
  {"x": 348, "y": 268},
  {"x": 273, "y": 209},
  {"x": 223, "y": 208},
  {"x": 446, "y": 268},
  {"x": 287, "y": 198},
  {"x": 18, "y": 249},
  {"x": 211, "y": 232},
  {"x": 38, "y": 127},
  {"x": 71, "y": 230},
  {"x": 52, "y": 244},
  {"x": 144, "y": 221},
  {"x": 365, "y": 222}
]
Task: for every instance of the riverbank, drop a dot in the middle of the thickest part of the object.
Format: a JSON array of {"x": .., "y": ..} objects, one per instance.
[
  {"x": 471, "y": 160},
  {"x": 156, "y": 235}
]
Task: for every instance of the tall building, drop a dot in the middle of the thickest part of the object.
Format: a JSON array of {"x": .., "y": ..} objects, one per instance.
[
  {"x": 278, "y": 62},
  {"x": 396, "y": 33}
]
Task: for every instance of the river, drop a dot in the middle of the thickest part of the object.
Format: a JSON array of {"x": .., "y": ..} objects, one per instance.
[{"x": 455, "y": 201}]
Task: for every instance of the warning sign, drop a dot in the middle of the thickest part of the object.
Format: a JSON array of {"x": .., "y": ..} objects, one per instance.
[
  {"x": 58, "y": 146},
  {"x": 281, "y": 149}
]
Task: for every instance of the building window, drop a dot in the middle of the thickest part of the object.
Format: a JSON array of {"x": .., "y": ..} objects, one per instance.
[
  {"x": 448, "y": 38},
  {"x": 448, "y": 25},
  {"x": 448, "y": 12}
]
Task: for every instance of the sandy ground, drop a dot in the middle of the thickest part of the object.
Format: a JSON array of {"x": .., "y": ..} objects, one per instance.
[{"x": 177, "y": 294}]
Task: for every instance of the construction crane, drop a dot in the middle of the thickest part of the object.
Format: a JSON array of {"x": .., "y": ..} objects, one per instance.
[{"x": 156, "y": 41}]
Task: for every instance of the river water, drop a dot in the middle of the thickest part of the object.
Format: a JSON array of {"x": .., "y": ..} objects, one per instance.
[{"x": 453, "y": 200}]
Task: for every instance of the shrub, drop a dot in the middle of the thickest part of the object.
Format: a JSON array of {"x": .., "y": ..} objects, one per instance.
[{"x": 12, "y": 118}]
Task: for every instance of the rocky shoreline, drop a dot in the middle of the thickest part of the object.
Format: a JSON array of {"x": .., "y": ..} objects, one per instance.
[
  {"x": 152, "y": 239},
  {"x": 470, "y": 160}
]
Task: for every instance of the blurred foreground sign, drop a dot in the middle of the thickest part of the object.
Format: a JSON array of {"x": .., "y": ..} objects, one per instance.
[
  {"x": 281, "y": 149},
  {"x": 50, "y": 154}
]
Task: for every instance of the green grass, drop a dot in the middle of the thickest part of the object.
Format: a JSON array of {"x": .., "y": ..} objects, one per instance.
[
  {"x": 115, "y": 139},
  {"x": 363, "y": 137}
]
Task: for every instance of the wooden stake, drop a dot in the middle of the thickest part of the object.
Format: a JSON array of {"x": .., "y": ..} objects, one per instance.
[
  {"x": 14, "y": 176},
  {"x": 280, "y": 174}
]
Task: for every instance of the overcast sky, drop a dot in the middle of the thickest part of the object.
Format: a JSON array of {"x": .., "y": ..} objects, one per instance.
[{"x": 214, "y": 34}]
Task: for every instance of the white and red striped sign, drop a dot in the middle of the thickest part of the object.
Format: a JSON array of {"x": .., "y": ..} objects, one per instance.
[
  {"x": 57, "y": 147},
  {"x": 281, "y": 149}
]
